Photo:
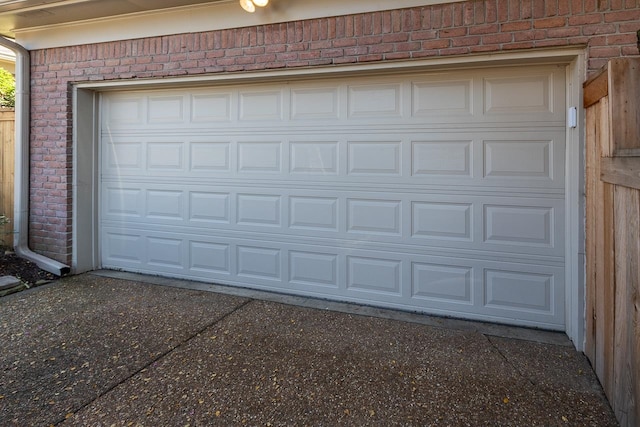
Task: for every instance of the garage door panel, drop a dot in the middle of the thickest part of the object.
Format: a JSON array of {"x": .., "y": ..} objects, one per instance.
[
  {"x": 436, "y": 192},
  {"x": 519, "y": 225},
  {"x": 124, "y": 111},
  {"x": 124, "y": 248},
  {"x": 313, "y": 269},
  {"x": 534, "y": 291},
  {"x": 371, "y": 216},
  {"x": 308, "y": 158},
  {"x": 491, "y": 160},
  {"x": 536, "y": 94},
  {"x": 442, "y": 221},
  {"x": 491, "y": 223},
  {"x": 262, "y": 105},
  {"x": 442, "y": 282},
  {"x": 209, "y": 157},
  {"x": 314, "y": 213},
  {"x": 259, "y": 210},
  {"x": 209, "y": 207},
  {"x": 315, "y": 103},
  {"x": 167, "y": 109},
  {"x": 456, "y": 285},
  {"x": 211, "y": 107},
  {"x": 442, "y": 157},
  {"x": 454, "y": 98},
  {"x": 379, "y": 158},
  {"x": 207, "y": 258}
]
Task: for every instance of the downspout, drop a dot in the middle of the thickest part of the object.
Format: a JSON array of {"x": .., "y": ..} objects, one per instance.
[{"x": 21, "y": 178}]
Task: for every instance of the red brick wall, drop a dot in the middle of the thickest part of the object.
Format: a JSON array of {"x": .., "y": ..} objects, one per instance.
[{"x": 606, "y": 28}]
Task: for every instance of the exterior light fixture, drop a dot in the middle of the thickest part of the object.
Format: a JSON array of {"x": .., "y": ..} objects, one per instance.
[{"x": 250, "y": 5}]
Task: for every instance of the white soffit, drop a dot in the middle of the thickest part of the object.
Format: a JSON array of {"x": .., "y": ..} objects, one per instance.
[{"x": 197, "y": 18}]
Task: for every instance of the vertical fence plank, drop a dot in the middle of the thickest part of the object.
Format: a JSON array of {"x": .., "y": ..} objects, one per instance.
[
  {"x": 627, "y": 332},
  {"x": 590, "y": 182},
  {"x": 613, "y": 235},
  {"x": 605, "y": 255},
  {"x": 7, "y": 135},
  {"x": 624, "y": 87}
]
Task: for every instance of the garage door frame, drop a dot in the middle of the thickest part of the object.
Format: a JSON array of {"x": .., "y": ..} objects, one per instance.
[{"x": 85, "y": 245}]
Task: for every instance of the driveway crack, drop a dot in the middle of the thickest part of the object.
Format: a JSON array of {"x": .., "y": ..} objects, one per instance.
[
  {"x": 157, "y": 358},
  {"x": 506, "y": 359}
]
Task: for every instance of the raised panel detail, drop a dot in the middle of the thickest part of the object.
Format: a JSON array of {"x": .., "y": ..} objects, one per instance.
[
  {"x": 375, "y": 101},
  {"x": 124, "y": 155},
  {"x": 263, "y": 263},
  {"x": 124, "y": 111},
  {"x": 209, "y": 156},
  {"x": 516, "y": 290},
  {"x": 166, "y": 109},
  {"x": 164, "y": 204},
  {"x": 211, "y": 108},
  {"x": 314, "y": 158},
  {"x": 209, "y": 257},
  {"x": 442, "y": 282},
  {"x": 442, "y": 98},
  {"x": 441, "y": 158},
  {"x": 516, "y": 95},
  {"x": 256, "y": 209},
  {"x": 164, "y": 155},
  {"x": 531, "y": 159},
  {"x": 374, "y": 158},
  {"x": 309, "y": 104},
  {"x": 373, "y": 216},
  {"x": 310, "y": 268},
  {"x": 124, "y": 201},
  {"x": 259, "y": 157},
  {"x": 448, "y": 221},
  {"x": 124, "y": 247},
  {"x": 164, "y": 252},
  {"x": 261, "y": 106},
  {"x": 314, "y": 213},
  {"x": 374, "y": 275},
  {"x": 519, "y": 225},
  {"x": 212, "y": 207}
]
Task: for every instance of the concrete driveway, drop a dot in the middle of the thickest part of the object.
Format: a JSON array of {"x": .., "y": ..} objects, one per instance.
[{"x": 93, "y": 350}]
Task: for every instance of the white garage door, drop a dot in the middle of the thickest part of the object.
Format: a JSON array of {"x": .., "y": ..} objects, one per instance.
[{"x": 435, "y": 192}]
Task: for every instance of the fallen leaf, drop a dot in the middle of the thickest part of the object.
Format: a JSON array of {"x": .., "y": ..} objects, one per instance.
[{"x": 505, "y": 400}]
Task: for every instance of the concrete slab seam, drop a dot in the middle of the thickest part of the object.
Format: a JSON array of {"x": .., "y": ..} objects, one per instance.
[{"x": 159, "y": 357}]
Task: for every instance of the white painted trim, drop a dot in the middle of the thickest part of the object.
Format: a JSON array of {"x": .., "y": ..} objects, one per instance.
[
  {"x": 84, "y": 251},
  {"x": 193, "y": 19},
  {"x": 575, "y": 214},
  {"x": 573, "y": 57}
]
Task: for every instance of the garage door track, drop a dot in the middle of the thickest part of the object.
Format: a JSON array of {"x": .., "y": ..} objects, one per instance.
[{"x": 91, "y": 350}]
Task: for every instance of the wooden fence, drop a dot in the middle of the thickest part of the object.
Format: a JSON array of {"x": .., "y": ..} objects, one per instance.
[
  {"x": 612, "y": 100},
  {"x": 7, "y": 162}
]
